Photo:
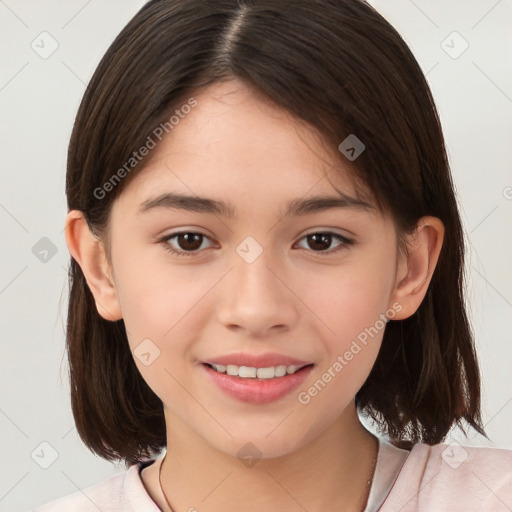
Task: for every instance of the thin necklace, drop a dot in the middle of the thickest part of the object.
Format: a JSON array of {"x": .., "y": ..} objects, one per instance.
[
  {"x": 161, "y": 487},
  {"x": 366, "y": 494}
]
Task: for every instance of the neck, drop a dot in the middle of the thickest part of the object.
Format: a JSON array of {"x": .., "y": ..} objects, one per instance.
[{"x": 332, "y": 472}]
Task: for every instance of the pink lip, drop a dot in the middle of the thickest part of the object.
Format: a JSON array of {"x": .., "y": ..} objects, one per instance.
[
  {"x": 257, "y": 391},
  {"x": 264, "y": 360}
]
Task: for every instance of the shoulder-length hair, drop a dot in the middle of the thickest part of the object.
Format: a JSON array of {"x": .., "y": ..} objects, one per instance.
[{"x": 340, "y": 67}]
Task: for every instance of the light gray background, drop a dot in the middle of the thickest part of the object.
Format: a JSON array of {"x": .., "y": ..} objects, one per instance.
[{"x": 38, "y": 100}]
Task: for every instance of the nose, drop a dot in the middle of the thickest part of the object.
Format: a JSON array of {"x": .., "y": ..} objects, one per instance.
[{"x": 258, "y": 297}]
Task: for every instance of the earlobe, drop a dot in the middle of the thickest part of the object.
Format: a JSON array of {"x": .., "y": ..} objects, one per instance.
[
  {"x": 89, "y": 253},
  {"x": 415, "y": 269}
]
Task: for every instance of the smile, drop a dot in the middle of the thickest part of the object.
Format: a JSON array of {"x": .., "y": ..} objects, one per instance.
[
  {"x": 254, "y": 385},
  {"x": 249, "y": 372}
]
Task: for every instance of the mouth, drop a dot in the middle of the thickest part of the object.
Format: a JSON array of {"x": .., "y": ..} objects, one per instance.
[
  {"x": 251, "y": 372},
  {"x": 256, "y": 385}
]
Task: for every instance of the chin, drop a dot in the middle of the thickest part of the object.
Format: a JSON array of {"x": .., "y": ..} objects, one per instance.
[{"x": 251, "y": 448}]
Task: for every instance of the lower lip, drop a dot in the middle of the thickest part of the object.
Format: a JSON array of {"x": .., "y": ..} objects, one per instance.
[{"x": 257, "y": 391}]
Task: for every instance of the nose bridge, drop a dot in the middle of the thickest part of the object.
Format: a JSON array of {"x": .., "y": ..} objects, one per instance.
[
  {"x": 256, "y": 298},
  {"x": 253, "y": 277}
]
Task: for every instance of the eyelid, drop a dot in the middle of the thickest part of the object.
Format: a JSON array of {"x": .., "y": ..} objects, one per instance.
[{"x": 331, "y": 231}]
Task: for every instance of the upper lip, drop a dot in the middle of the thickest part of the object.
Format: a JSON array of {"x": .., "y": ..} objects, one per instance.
[{"x": 264, "y": 360}]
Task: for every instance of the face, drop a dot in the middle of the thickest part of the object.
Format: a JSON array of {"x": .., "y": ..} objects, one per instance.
[{"x": 312, "y": 285}]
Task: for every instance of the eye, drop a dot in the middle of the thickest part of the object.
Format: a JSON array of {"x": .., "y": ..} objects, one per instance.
[
  {"x": 187, "y": 242},
  {"x": 321, "y": 240}
]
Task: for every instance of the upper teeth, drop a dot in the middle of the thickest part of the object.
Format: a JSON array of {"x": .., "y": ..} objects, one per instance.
[{"x": 260, "y": 373}]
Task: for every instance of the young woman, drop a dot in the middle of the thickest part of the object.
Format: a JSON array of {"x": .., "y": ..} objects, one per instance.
[{"x": 266, "y": 245}]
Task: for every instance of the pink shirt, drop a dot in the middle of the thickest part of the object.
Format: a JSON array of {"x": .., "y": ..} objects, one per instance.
[{"x": 427, "y": 479}]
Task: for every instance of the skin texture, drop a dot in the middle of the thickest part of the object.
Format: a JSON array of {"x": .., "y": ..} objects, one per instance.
[{"x": 294, "y": 300}]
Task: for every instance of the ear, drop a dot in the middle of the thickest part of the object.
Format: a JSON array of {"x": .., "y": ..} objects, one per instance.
[
  {"x": 89, "y": 252},
  {"x": 415, "y": 270}
]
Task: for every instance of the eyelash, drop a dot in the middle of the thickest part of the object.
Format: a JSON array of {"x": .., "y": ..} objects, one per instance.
[{"x": 165, "y": 241}]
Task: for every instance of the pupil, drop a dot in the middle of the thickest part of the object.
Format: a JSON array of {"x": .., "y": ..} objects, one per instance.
[
  {"x": 190, "y": 239},
  {"x": 323, "y": 239}
]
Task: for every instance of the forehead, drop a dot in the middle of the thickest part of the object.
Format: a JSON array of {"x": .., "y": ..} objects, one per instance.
[{"x": 234, "y": 143}]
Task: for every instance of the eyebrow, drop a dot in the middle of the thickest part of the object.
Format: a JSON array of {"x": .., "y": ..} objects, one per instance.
[{"x": 297, "y": 207}]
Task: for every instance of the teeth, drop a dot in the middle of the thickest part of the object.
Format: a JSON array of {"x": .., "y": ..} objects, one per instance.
[
  {"x": 231, "y": 369},
  {"x": 248, "y": 372}
]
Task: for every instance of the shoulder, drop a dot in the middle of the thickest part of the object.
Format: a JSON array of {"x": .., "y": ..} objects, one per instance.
[
  {"x": 122, "y": 492},
  {"x": 453, "y": 477}
]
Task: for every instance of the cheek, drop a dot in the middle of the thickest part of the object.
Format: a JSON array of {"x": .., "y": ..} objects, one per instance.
[
  {"x": 351, "y": 300},
  {"x": 353, "y": 330},
  {"x": 161, "y": 306},
  {"x": 160, "y": 314},
  {"x": 154, "y": 295},
  {"x": 350, "y": 303}
]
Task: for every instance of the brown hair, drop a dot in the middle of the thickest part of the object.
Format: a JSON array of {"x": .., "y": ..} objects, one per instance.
[{"x": 342, "y": 68}]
